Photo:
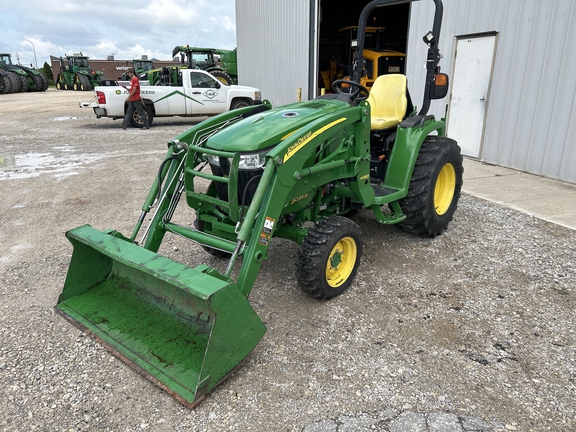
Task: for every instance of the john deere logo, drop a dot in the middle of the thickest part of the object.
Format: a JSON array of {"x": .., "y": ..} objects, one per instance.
[
  {"x": 210, "y": 94},
  {"x": 118, "y": 91}
]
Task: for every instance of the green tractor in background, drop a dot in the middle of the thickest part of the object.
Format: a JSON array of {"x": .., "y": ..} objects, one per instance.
[
  {"x": 77, "y": 75},
  {"x": 228, "y": 62},
  {"x": 298, "y": 172},
  {"x": 196, "y": 58},
  {"x": 141, "y": 69},
  {"x": 16, "y": 78}
]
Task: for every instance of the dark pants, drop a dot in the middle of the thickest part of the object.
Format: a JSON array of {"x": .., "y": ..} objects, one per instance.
[{"x": 139, "y": 107}]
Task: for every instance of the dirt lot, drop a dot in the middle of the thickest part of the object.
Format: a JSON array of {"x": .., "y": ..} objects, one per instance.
[{"x": 472, "y": 330}]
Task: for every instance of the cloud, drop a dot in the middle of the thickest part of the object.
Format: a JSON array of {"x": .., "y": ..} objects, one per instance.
[{"x": 126, "y": 29}]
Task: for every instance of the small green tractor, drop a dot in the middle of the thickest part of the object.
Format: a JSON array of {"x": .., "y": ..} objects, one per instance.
[
  {"x": 297, "y": 172},
  {"x": 16, "y": 78},
  {"x": 141, "y": 68},
  {"x": 75, "y": 74},
  {"x": 195, "y": 58}
]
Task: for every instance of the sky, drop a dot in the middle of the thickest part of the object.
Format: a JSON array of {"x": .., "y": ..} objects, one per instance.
[{"x": 126, "y": 29}]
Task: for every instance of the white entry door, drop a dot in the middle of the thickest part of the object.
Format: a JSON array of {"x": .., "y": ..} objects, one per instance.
[{"x": 470, "y": 85}]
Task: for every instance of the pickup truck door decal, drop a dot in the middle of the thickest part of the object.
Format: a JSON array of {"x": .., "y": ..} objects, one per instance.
[{"x": 209, "y": 91}]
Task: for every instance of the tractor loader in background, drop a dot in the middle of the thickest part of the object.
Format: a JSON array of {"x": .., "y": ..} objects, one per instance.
[
  {"x": 141, "y": 67},
  {"x": 295, "y": 172},
  {"x": 379, "y": 61},
  {"x": 197, "y": 58}
]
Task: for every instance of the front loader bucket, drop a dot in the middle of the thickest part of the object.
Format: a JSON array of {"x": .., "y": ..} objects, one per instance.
[{"x": 184, "y": 328}]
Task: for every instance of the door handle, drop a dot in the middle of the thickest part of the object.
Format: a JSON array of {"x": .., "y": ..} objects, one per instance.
[{"x": 195, "y": 92}]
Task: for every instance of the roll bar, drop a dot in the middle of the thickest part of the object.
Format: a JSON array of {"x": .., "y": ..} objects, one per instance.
[{"x": 431, "y": 39}]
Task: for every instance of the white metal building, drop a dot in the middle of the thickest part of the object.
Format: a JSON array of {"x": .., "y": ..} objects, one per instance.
[{"x": 513, "y": 92}]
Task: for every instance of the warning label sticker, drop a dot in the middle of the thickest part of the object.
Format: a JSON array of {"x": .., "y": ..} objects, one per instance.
[{"x": 266, "y": 233}]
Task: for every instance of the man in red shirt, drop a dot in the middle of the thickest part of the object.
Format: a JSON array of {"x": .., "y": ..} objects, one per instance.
[{"x": 134, "y": 101}]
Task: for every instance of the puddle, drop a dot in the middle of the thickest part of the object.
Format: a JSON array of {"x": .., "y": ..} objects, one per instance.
[
  {"x": 70, "y": 118},
  {"x": 61, "y": 165},
  {"x": 31, "y": 165}
]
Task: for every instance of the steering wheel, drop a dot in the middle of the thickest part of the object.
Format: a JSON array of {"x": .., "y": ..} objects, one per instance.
[{"x": 359, "y": 93}]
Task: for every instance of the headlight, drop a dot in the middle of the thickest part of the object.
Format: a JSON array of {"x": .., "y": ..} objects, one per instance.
[{"x": 248, "y": 161}]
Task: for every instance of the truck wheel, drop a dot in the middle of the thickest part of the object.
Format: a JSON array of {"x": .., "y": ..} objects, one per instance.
[
  {"x": 434, "y": 188},
  {"x": 329, "y": 257},
  {"x": 137, "y": 122},
  {"x": 222, "y": 76},
  {"x": 239, "y": 103}
]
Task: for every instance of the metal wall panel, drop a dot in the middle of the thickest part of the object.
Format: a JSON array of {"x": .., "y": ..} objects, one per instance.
[
  {"x": 531, "y": 111},
  {"x": 275, "y": 43}
]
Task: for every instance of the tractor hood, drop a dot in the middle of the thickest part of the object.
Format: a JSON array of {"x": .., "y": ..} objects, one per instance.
[{"x": 269, "y": 128}]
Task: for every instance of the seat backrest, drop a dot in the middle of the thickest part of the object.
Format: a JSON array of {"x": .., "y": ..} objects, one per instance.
[{"x": 388, "y": 101}]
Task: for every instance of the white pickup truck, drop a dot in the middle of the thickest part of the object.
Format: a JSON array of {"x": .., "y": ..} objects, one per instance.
[{"x": 200, "y": 95}]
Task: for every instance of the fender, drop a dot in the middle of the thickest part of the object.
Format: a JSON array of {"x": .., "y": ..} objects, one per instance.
[{"x": 410, "y": 135}]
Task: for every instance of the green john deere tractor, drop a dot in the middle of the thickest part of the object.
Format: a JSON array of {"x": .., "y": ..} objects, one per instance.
[
  {"x": 295, "y": 172},
  {"x": 17, "y": 78},
  {"x": 141, "y": 68},
  {"x": 194, "y": 58},
  {"x": 75, "y": 74}
]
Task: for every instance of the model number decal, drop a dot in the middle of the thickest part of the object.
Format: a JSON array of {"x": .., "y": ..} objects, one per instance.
[{"x": 299, "y": 198}]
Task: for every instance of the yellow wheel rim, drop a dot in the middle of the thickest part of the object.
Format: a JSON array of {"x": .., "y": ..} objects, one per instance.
[
  {"x": 444, "y": 190},
  {"x": 341, "y": 262}
]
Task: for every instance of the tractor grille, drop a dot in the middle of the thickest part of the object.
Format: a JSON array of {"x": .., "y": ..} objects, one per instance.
[{"x": 246, "y": 187}]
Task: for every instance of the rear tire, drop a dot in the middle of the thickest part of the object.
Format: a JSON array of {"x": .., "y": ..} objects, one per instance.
[
  {"x": 137, "y": 122},
  {"x": 222, "y": 76},
  {"x": 329, "y": 257},
  {"x": 44, "y": 80},
  {"x": 434, "y": 189},
  {"x": 11, "y": 83},
  {"x": 23, "y": 82},
  {"x": 38, "y": 83}
]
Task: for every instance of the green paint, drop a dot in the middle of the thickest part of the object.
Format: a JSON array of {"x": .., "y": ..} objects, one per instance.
[{"x": 184, "y": 328}]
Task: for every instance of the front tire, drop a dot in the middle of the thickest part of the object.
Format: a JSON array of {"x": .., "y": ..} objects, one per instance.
[
  {"x": 240, "y": 103},
  {"x": 329, "y": 257},
  {"x": 434, "y": 189}
]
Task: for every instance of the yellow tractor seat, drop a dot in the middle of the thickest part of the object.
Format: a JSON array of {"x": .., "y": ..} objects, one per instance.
[{"x": 388, "y": 101}]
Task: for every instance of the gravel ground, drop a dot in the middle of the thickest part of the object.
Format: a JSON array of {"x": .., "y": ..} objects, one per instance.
[{"x": 469, "y": 331}]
